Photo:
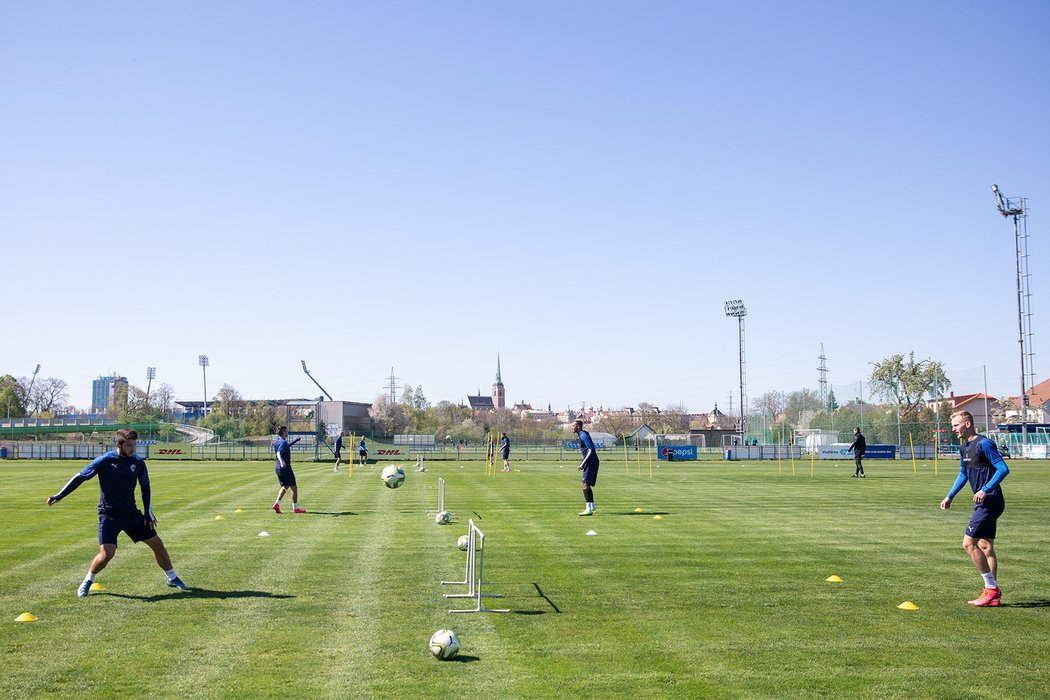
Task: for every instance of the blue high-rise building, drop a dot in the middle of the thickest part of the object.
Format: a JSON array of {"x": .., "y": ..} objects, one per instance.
[{"x": 102, "y": 390}]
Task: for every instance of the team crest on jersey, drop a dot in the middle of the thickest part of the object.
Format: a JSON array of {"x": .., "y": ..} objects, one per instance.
[{"x": 132, "y": 468}]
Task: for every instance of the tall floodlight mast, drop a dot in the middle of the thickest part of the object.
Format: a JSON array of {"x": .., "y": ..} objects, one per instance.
[
  {"x": 735, "y": 309},
  {"x": 1017, "y": 209},
  {"x": 315, "y": 381}
]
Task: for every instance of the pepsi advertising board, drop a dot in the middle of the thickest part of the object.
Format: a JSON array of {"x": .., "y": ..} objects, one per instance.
[{"x": 676, "y": 453}]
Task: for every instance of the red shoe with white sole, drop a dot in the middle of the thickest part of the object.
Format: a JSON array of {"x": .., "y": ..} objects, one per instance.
[{"x": 991, "y": 597}]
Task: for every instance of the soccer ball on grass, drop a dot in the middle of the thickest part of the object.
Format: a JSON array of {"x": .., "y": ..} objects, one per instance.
[
  {"x": 463, "y": 542},
  {"x": 443, "y": 518},
  {"x": 444, "y": 644},
  {"x": 393, "y": 476}
]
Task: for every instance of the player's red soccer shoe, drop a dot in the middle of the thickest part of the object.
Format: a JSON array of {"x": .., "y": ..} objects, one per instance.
[
  {"x": 991, "y": 597},
  {"x": 276, "y": 508},
  {"x": 299, "y": 510}
]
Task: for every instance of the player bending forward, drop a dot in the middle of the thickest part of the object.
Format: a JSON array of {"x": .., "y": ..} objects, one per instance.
[{"x": 118, "y": 472}]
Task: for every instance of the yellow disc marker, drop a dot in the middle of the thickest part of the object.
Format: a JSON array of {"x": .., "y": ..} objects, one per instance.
[
  {"x": 239, "y": 510},
  {"x": 26, "y": 617},
  {"x": 908, "y": 605},
  {"x": 220, "y": 517},
  {"x": 96, "y": 586},
  {"x": 834, "y": 578},
  {"x": 658, "y": 517},
  {"x": 638, "y": 510}
]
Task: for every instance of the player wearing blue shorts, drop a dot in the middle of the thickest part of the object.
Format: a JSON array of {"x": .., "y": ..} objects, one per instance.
[
  {"x": 118, "y": 472},
  {"x": 505, "y": 451},
  {"x": 339, "y": 450},
  {"x": 362, "y": 452},
  {"x": 983, "y": 468},
  {"x": 283, "y": 466},
  {"x": 589, "y": 465}
]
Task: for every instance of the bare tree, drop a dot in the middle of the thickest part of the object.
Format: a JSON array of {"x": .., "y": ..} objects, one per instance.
[
  {"x": 163, "y": 398},
  {"x": 231, "y": 403},
  {"x": 771, "y": 403},
  {"x": 50, "y": 395}
]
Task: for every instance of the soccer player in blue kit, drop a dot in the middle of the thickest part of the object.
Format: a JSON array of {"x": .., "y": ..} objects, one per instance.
[
  {"x": 983, "y": 467},
  {"x": 589, "y": 465},
  {"x": 283, "y": 466},
  {"x": 504, "y": 449},
  {"x": 339, "y": 451},
  {"x": 118, "y": 472}
]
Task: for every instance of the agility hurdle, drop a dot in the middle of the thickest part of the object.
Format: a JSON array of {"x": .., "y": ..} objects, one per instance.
[{"x": 473, "y": 575}]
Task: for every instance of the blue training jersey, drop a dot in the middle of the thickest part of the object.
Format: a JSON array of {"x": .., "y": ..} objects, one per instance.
[
  {"x": 586, "y": 444},
  {"x": 980, "y": 465},
  {"x": 505, "y": 446},
  {"x": 338, "y": 443},
  {"x": 361, "y": 447},
  {"x": 283, "y": 452},
  {"x": 117, "y": 477}
]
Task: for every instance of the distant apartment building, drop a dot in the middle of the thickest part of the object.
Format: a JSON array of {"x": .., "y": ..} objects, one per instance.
[{"x": 102, "y": 390}]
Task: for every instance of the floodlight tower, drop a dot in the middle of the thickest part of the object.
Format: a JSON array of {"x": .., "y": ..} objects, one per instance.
[
  {"x": 822, "y": 382},
  {"x": 1017, "y": 209},
  {"x": 29, "y": 391},
  {"x": 315, "y": 381},
  {"x": 151, "y": 374},
  {"x": 203, "y": 361},
  {"x": 735, "y": 309}
]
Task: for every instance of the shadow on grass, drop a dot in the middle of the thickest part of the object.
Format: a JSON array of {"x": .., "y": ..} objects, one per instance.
[
  {"x": 200, "y": 593},
  {"x": 544, "y": 596},
  {"x": 649, "y": 513},
  {"x": 1042, "y": 603},
  {"x": 464, "y": 659},
  {"x": 332, "y": 513}
]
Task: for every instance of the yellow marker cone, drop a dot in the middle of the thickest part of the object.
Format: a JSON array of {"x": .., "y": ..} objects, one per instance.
[
  {"x": 834, "y": 578},
  {"x": 908, "y": 605},
  {"x": 96, "y": 586},
  {"x": 26, "y": 617},
  {"x": 239, "y": 510},
  {"x": 638, "y": 510},
  {"x": 658, "y": 517},
  {"x": 220, "y": 517}
]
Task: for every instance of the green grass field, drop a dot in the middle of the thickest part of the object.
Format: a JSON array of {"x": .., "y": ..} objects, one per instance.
[{"x": 723, "y": 597}]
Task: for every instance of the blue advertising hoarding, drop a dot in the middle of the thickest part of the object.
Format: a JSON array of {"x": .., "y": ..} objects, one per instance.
[{"x": 679, "y": 452}]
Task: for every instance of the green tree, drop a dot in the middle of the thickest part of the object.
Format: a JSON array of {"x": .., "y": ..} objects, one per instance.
[
  {"x": 908, "y": 382},
  {"x": 12, "y": 401},
  {"x": 833, "y": 404}
]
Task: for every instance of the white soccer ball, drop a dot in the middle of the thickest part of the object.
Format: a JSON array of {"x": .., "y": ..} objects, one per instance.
[
  {"x": 444, "y": 644},
  {"x": 393, "y": 476},
  {"x": 463, "y": 542},
  {"x": 443, "y": 518}
]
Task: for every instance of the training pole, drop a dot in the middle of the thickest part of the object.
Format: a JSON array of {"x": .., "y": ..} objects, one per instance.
[
  {"x": 792, "y": 448},
  {"x": 780, "y": 467},
  {"x": 812, "y": 463},
  {"x": 911, "y": 444},
  {"x": 650, "y": 459},
  {"x": 626, "y": 461}
]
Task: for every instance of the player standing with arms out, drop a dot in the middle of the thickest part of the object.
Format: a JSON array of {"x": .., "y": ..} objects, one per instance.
[
  {"x": 283, "y": 467},
  {"x": 505, "y": 450},
  {"x": 118, "y": 472},
  {"x": 362, "y": 452},
  {"x": 859, "y": 446},
  {"x": 339, "y": 450},
  {"x": 984, "y": 468},
  {"x": 589, "y": 465}
]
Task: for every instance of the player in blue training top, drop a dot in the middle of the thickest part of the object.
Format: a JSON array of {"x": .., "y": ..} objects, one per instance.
[
  {"x": 339, "y": 451},
  {"x": 589, "y": 465},
  {"x": 118, "y": 472},
  {"x": 505, "y": 451},
  {"x": 983, "y": 467},
  {"x": 283, "y": 466},
  {"x": 362, "y": 452}
]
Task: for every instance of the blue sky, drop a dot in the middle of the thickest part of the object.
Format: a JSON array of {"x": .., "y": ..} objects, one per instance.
[{"x": 576, "y": 185}]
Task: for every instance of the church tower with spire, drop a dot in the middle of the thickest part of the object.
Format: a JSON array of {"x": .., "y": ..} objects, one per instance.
[{"x": 499, "y": 394}]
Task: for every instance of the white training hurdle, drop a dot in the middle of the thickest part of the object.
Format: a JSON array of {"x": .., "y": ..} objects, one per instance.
[{"x": 473, "y": 576}]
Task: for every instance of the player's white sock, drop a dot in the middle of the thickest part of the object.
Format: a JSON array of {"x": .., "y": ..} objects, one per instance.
[
  {"x": 170, "y": 573},
  {"x": 590, "y": 506},
  {"x": 90, "y": 576},
  {"x": 989, "y": 580},
  {"x": 295, "y": 506}
]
